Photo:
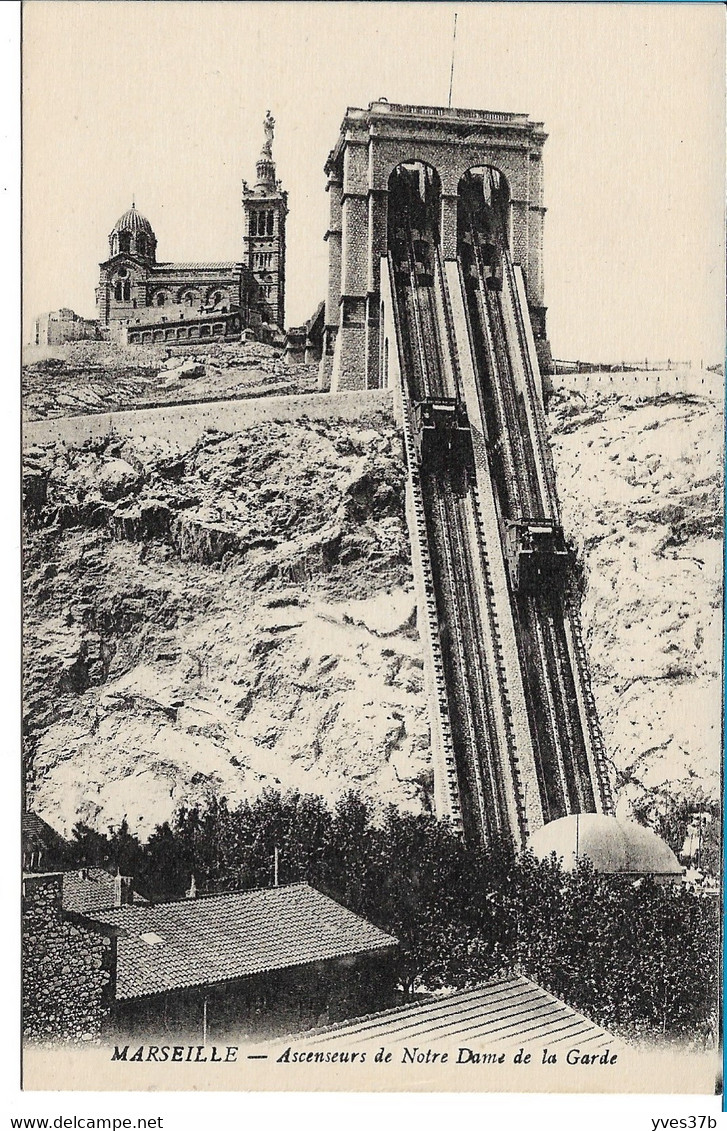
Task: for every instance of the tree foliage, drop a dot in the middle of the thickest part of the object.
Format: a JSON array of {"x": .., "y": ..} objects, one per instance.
[{"x": 639, "y": 958}]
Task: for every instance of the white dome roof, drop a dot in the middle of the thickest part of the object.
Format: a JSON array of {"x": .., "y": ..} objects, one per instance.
[{"x": 613, "y": 845}]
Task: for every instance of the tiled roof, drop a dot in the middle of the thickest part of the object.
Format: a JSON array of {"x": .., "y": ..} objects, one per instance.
[
  {"x": 37, "y": 831},
  {"x": 173, "y": 267},
  {"x": 88, "y": 890},
  {"x": 94, "y": 889},
  {"x": 219, "y": 937},
  {"x": 509, "y": 1011}
]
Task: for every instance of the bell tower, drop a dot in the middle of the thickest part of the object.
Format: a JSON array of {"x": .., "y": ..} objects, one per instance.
[{"x": 265, "y": 207}]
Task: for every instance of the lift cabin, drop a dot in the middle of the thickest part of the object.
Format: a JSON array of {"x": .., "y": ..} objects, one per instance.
[
  {"x": 442, "y": 432},
  {"x": 423, "y": 261},
  {"x": 538, "y": 557}
]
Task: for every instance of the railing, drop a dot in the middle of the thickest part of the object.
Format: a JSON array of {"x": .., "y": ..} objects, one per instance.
[
  {"x": 647, "y": 365},
  {"x": 448, "y": 112}
]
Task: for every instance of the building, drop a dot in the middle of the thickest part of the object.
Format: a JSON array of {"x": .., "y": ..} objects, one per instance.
[
  {"x": 252, "y": 963},
  {"x": 133, "y": 286},
  {"x": 305, "y": 343},
  {"x": 364, "y": 167},
  {"x": 137, "y": 288},
  {"x": 265, "y": 207},
  {"x": 67, "y": 972},
  {"x": 43, "y": 848},
  {"x": 64, "y": 325},
  {"x": 179, "y": 324},
  {"x": 95, "y": 889},
  {"x": 613, "y": 845},
  {"x": 506, "y": 1013}
]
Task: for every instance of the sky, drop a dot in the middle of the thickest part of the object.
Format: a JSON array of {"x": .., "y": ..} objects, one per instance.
[{"x": 163, "y": 102}]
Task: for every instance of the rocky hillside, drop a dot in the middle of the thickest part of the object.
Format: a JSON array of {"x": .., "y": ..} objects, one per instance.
[
  {"x": 241, "y": 614},
  {"x": 88, "y": 377},
  {"x": 640, "y": 485},
  {"x": 236, "y": 616}
]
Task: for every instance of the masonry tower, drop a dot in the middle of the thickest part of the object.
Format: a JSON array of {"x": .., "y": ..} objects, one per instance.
[
  {"x": 436, "y": 293},
  {"x": 371, "y": 145},
  {"x": 265, "y": 207}
]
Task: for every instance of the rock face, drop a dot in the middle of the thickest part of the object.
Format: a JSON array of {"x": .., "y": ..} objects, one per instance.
[
  {"x": 641, "y": 493},
  {"x": 241, "y": 614}
]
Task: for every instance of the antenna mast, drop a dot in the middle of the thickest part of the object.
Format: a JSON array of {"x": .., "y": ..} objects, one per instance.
[{"x": 451, "y": 69}]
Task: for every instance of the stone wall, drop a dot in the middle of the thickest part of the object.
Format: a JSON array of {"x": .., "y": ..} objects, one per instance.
[
  {"x": 188, "y": 422},
  {"x": 371, "y": 144},
  {"x": 66, "y": 968},
  {"x": 642, "y": 383}
]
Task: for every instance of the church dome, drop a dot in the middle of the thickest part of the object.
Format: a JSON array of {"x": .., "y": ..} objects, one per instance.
[
  {"x": 612, "y": 844},
  {"x": 132, "y": 234},
  {"x": 133, "y": 221}
]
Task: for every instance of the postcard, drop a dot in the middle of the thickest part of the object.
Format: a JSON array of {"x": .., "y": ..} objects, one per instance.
[{"x": 373, "y": 416}]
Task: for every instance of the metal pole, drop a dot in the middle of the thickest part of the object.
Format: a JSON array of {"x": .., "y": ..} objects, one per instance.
[
  {"x": 451, "y": 69},
  {"x": 275, "y": 868}
]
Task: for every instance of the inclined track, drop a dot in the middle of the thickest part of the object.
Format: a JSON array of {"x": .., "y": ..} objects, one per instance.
[
  {"x": 472, "y": 693},
  {"x": 461, "y": 587},
  {"x": 562, "y": 712}
]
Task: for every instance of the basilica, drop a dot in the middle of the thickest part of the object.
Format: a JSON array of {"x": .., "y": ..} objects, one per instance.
[{"x": 140, "y": 298}]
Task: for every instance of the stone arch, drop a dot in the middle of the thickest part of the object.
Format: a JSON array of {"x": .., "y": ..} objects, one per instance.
[
  {"x": 189, "y": 296},
  {"x": 414, "y": 204},
  {"x": 216, "y": 295},
  {"x": 484, "y": 207},
  {"x": 161, "y": 298},
  {"x": 388, "y": 154}
]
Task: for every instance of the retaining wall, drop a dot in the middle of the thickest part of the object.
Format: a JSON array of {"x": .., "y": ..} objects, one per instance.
[
  {"x": 186, "y": 423},
  {"x": 652, "y": 383}
]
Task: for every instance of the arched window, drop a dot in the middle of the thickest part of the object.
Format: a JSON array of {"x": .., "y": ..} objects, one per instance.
[
  {"x": 270, "y": 223},
  {"x": 253, "y": 223},
  {"x": 127, "y": 291},
  {"x": 161, "y": 298},
  {"x": 141, "y": 244},
  {"x": 189, "y": 298},
  {"x": 124, "y": 241},
  {"x": 118, "y": 294}
]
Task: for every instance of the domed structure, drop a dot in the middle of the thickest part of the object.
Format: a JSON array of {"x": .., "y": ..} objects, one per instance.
[
  {"x": 613, "y": 845},
  {"x": 132, "y": 234},
  {"x": 143, "y": 301},
  {"x": 133, "y": 221}
]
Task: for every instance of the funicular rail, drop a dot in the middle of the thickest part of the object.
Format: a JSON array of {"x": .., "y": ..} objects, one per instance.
[
  {"x": 471, "y": 649},
  {"x": 570, "y": 761},
  {"x": 450, "y": 775}
]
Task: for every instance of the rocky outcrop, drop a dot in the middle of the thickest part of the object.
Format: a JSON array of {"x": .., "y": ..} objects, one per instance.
[
  {"x": 242, "y": 614},
  {"x": 641, "y": 492},
  {"x": 93, "y": 377}
]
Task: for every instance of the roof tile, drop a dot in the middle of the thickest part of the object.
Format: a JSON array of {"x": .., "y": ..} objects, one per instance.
[
  {"x": 508, "y": 1011},
  {"x": 221, "y": 937}
]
